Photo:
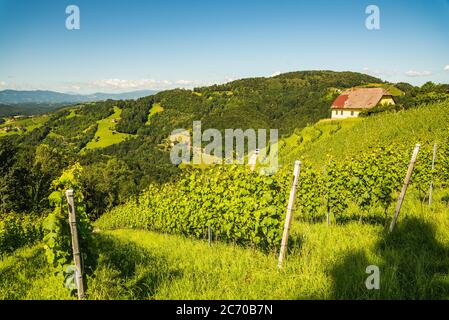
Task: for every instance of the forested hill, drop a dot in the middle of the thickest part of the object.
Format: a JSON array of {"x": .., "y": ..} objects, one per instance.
[
  {"x": 285, "y": 102},
  {"x": 121, "y": 143}
]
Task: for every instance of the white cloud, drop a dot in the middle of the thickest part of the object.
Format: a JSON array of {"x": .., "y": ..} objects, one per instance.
[
  {"x": 113, "y": 85},
  {"x": 379, "y": 73},
  {"x": 446, "y": 68},
  {"x": 127, "y": 84},
  {"x": 190, "y": 82},
  {"x": 275, "y": 74},
  {"x": 145, "y": 84},
  {"x": 74, "y": 87},
  {"x": 414, "y": 73}
]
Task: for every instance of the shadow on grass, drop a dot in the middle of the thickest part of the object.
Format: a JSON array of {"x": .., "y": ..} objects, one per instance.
[
  {"x": 412, "y": 264},
  {"x": 17, "y": 276},
  {"x": 125, "y": 270}
]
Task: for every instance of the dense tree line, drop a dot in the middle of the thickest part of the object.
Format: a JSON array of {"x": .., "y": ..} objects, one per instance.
[
  {"x": 134, "y": 114},
  {"x": 428, "y": 93}
]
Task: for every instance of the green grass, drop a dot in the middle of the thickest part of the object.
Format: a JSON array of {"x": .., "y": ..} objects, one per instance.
[
  {"x": 323, "y": 262},
  {"x": 27, "y": 275},
  {"x": 156, "y": 108},
  {"x": 106, "y": 134},
  {"x": 315, "y": 143}
]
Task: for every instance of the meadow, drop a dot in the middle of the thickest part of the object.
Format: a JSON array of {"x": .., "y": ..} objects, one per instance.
[
  {"x": 155, "y": 108},
  {"x": 106, "y": 135}
]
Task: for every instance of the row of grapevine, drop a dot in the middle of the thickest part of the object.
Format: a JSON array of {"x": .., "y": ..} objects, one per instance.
[
  {"x": 243, "y": 207},
  {"x": 239, "y": 205},
  {"x": 57, "y": 233},
  {"x": 18, "y": 230},
  {"x": 369, "y": 181}
]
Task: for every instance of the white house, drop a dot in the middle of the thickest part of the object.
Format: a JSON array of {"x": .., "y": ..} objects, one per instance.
[{"x": 353, "y": 101}]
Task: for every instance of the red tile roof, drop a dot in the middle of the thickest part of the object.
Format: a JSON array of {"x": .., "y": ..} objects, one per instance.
[
  {"x": 340, "y": 101},
  {"x": 359, "y": 98}
]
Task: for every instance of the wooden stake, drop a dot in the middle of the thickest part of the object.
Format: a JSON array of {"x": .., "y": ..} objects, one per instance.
[
  {"x": 209, "y": 235},
  {"x": 253, "y": 159},
  {"x": 433, "y": 168},
  {"x": 404, "y": 187},
  {"x": 328, "y": 211},
  {"x": 288, "y": 217},
  {"x": 75, "y": 245}
]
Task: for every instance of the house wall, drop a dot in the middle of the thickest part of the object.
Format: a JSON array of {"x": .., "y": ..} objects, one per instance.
[{"x": 342, "y": 114}]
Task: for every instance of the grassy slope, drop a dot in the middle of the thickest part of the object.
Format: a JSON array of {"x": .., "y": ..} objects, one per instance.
[
  {"x": 105, "y": 132},
  {"x": 324, "y": 262},
  {"x": 348, "y": 137},
  {"x": 156, "y": 108}
]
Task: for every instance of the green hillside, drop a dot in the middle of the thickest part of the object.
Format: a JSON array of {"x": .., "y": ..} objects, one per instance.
[
  {"x": 340, "y": 139},
  {"x": 155, "y": 108},
  {"x": 144, "y": 222},
  {"x": 288, "y": 102},
  {"x": 106, "y": 134}
]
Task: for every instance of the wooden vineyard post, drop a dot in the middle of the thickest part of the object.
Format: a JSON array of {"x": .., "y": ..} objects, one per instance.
[
  {"x": 253, "y": 159},
  {"x": 288, "y": 217},
  {"x": 75, "y": 245},
  {"x": 433, "y": 168},
  {"x": 328, "y": 208},
  {"x": 209, "y": 235},
  {"x": 404, "y": 187}
]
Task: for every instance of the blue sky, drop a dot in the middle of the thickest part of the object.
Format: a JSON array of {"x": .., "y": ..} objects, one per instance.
[{"x": 132, "y": 45}]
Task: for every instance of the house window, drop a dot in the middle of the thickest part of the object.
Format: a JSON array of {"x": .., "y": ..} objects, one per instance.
[
  {"x": 341, "y": 112},
  {"x": 352, "y": 113}
]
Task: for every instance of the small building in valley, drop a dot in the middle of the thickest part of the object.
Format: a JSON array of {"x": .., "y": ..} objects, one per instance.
[{"x": 353, "y": 101}]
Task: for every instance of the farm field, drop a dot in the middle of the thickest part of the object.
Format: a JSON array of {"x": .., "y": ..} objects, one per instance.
[{"x": 106, "y": 134}]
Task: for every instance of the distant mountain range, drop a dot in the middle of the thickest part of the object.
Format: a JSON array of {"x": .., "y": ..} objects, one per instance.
[{"x": 52, "y": 97}]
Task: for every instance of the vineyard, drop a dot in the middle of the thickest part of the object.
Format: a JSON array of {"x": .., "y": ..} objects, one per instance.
[
  {"x": 221, "y": 226},
  {"x": 243, "y": 207}
]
